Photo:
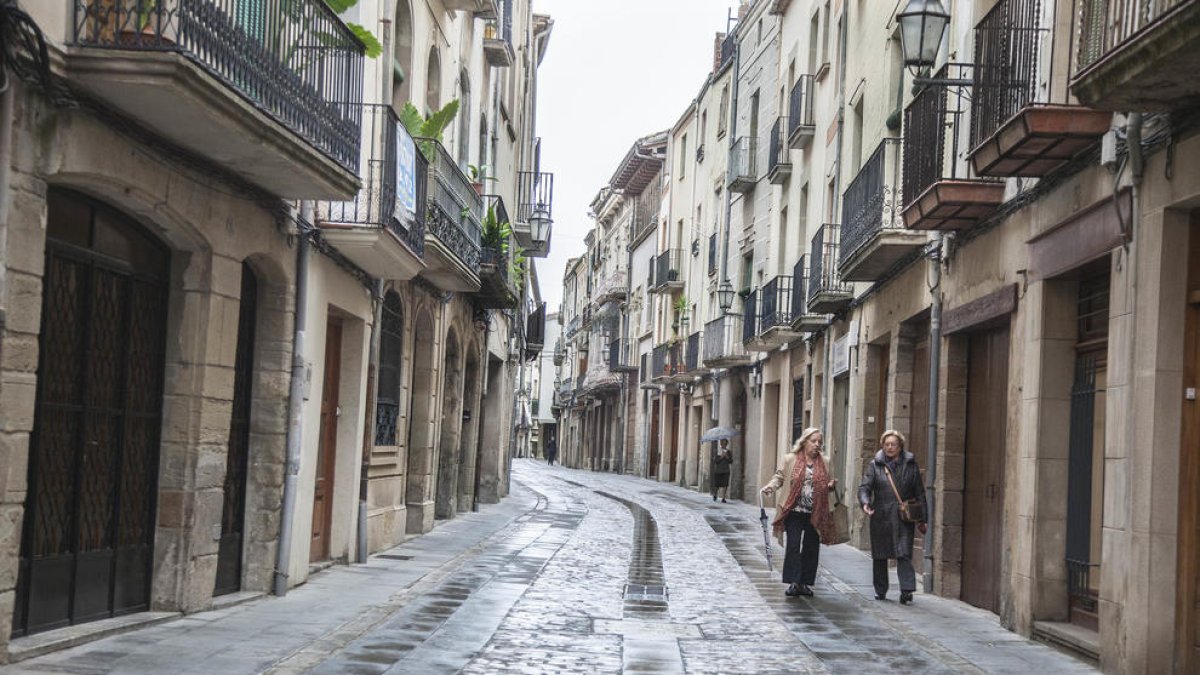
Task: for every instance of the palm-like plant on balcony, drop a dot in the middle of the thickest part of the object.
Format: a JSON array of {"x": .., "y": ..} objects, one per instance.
[
  {"x": 374, "y": 49},
  {"x": 428, "y": 127}
]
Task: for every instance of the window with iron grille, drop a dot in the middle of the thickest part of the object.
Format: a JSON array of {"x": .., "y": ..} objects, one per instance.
[{"x": 391, "y": 345}]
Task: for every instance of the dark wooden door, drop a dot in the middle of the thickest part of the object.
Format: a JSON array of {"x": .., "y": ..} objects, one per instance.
[
  {"x": 885, "y": 365},
  {"x": 918, "y": 433},
  {"x": 233, "y": 511},
  {"x": 654, "y": 454},
  {"x": 1187, "y": 653},
  {"x": 88, "y": 537},
  {"x": 327, "y": 452},
  {"x": 983, "y": 498},
  {"x": 673, "y": 420}
]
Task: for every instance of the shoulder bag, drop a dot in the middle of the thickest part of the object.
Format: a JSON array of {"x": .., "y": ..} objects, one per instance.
[{"x": 911, "y": 511}]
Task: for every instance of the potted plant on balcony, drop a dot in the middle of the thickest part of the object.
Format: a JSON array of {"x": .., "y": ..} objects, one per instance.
[
  {"x": 494, "y": 237},
  {"x": 479, "y": 176},
  {"x": 428, "y": 128}
]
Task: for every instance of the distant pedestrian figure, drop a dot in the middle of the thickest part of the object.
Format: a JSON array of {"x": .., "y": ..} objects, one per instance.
[
  {"x": 891, "y": 536},
  {"x": 551, "y": 452},
  {"x": 721, "y": 464},
  {"x": 803, "y": 479}
]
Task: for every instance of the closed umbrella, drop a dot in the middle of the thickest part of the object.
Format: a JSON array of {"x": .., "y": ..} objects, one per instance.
[{"x": 762, "y": 518}]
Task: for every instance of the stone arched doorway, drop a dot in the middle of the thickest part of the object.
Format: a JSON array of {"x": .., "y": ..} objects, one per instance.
[
  {"x": 451, "y": 436},
  {"x": 402, "y": 54},
  {"x": 89, "y": 524},
  {"x": 470, "y": 431},
  {"x": 419, "y": 477}
]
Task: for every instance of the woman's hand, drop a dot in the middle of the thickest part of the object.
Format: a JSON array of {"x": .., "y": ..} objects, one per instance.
[
  {"x": 868, "y": 510},
  {"x": 768, "y": 491},
  {"x": 922, "y": 527},
  {"x": 832, "y": 483}
]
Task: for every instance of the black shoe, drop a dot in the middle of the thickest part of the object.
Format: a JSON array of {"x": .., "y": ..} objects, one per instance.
[
  {"x": 792, "y": 590},
  {"x": 805, "y": 590},
  {"x": 905, "y": 597},
  {"x": 881, "y": 596},
  {"x": 714, "y": 498},
  {"x": 723, "y": 501}
]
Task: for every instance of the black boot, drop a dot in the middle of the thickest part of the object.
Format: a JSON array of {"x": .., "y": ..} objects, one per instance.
[
  {"x": 905, "y": 597},
  {"x": 792, "y": 590}
]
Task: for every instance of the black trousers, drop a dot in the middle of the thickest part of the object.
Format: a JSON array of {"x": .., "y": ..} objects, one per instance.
[
  {"x": 904, "y": 570},
  {"x": 803, "y": 549}
]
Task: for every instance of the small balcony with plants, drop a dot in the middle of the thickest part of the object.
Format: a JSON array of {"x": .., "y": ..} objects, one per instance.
[
  {"x": 804, "y": 320},
  {"x": 1019, "y": 127},
  {"x": 827, "y": 293},
  {"x": 497, "y": 37},
  {"x": 723, "y": 346},
  {"x": 535, "y": 212},
  {"x": 453, "y": 225},
  {"x": 940, "y": 192},
  {"x": 668, "y": 271},
  {"x": 501, "y": 264},
  {"x": 273, "y": 96},
  {"x": 774, "y": 305},
  {"x": 1137, "y": 54},
  {"x": 743, "y": 165},
  {"x": 873, "y": 236},
  {"x": 382, "y": 230},
  {"x": 779, "y": 160},
  {"x": 802, "y": 126},
  {"x": 668, "y": 361}
]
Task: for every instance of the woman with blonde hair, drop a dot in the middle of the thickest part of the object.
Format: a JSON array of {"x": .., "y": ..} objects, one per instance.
[
  {"x": 803, "y": 479},
  {"x": 893, "y": 495}
]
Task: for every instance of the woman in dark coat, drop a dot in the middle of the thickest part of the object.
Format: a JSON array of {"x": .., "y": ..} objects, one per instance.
[
  {"x": 721, "y": 464},
  {"x": 890, "y": 536}
]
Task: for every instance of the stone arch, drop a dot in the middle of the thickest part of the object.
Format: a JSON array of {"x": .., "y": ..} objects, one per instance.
[
  {"x": 402, "y": 55},
  {"x": 472, "y": 401},
  {"x": 451, "y": 432},
  {"x": 433, "y": 80},
  {"x": 464, "y": 118},
  {"x": 419, "y": 472}
]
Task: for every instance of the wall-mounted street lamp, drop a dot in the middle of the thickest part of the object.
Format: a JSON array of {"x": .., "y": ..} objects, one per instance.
[
  {"x": 922, "y": 25},
  {"x": 725, "y": 295},
  {"x": 539, "y": 225}
]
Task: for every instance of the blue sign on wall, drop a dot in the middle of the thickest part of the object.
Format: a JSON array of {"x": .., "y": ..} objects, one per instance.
[{"x": 406, "y": 179}]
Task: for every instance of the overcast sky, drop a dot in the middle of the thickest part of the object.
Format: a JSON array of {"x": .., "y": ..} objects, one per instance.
[{"x": 615, "y": 70}]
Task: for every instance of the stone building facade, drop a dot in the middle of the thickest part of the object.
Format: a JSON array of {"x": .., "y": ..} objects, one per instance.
[{"x": 240, "y": 334}]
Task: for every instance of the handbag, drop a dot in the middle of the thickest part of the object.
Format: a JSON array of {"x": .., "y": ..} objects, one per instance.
[
  {"x": 911, "y": 511},
  {"x": 841, "y": 521}
]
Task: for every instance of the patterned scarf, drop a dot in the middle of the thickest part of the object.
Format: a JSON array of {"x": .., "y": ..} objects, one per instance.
[{"x": 820, "y": 515}]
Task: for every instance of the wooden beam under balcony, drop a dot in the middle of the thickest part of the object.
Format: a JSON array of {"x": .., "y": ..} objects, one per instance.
[
  {"x": 1039, "y": 139},
  {"x": 953, "y": 204}
]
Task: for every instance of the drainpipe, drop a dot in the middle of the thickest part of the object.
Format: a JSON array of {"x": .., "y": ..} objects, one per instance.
[
  {"x": 935, "y": 355},
  {"x": 827, "y": 409},
  {"x": 737, "y": 466},
  {"x": 369, "y": 420},
  {"x": 295, "y": 436}
]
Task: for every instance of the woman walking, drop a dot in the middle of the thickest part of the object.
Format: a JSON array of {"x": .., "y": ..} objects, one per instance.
[
  {"x": 721, "y": 463},
  {"x": 893, "y": 473},
  {"x": 804, "y": 512}
]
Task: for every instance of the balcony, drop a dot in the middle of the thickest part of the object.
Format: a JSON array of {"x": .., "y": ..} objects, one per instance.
[
  {"x": 826, "y": 292},
  {"x": 560, "y": 352},
  {"x": 535, "y": 332},
  {"x": 382, "y": 230},
  {"x": 646, "y": 210},
  {"x": 803, "y": 320},
  {"x": 802, "y": 125},
  {"x": 712, "y": 253},
  {"x": 535, "y": 192},
  {"x": 723, "y": 343},
  {"x": 275, "y": 98},
  {"x": 779, "y": 161},
  {"x": 743, "y": 165},
  {"x": 1014, "y": 130},
  {"x": 613, "y": 288},
  {"x": 587, "y": 318},
  {"x": 622, "y": 356},
  {"x": 873, "y": 238},
  {"x": 728, "y": 46},
  {"x": 572, "y": 327},
  {"x": 497, "y": 38},
  {"x": 774, "y": 304},
  {"x": 1137, "y": 55},
  {"x": 692, "y": 363},
  {"x": 668, "y": 270},
  {"x": 939, "y": 192},
  {"x": 663, "y": 363},
  {"x": 481, "y": 8},
  {"x": 452, "y": 224},
  {"x": 497, "y": 289}
]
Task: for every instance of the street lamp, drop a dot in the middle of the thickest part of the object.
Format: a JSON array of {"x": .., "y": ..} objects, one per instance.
[
  {"x": 922, "y": 24},
  {"x": 539, "y": 226},
  {"x": 725, "y": 296}
]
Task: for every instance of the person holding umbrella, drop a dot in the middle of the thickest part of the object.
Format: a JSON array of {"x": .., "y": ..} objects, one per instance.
[
  {"x": 720, "y": 472},
  {"x": 803, "y": 514}
]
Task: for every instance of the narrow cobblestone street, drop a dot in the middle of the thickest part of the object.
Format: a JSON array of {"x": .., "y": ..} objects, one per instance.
[{"x": 576, "y": 572}]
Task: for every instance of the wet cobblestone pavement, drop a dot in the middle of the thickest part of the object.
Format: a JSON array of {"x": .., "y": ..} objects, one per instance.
[{"x": 577, "y": 572}]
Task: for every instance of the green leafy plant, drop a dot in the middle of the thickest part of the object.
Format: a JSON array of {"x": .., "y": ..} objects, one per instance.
[
  {"x": 428, "y": 127},
  {"x": 516, "y": 268},
  {"x": 374, "y": 48},
  {"x": 479, "y": 174},
  {"x": 495, "y": 234}
]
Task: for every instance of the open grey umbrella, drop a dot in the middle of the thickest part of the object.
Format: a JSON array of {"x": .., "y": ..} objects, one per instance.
[
  {"x": 718, "y": 434},
  {"x": 762, "y": 518}
]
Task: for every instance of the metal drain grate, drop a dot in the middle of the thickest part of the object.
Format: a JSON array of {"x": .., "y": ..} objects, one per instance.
[
  {"x": 394, "y": 556},
  {"x": 645, "y": 592}
]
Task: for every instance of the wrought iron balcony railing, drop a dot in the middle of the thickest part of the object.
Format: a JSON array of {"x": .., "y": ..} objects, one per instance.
[
  {"x": 535, "y": 329},
  {"x": 712, "y": 253},
  {"x": 692, "y": 355},
  {"x": 497, "y": 40},
  {"x": 668, "y": 271},
  {"x": 1106, "y": 26},
  {"x": 801, "y": 123},
  {"x": 455, "y": 209},
  {"x": 727, "y": 48},
  {"x": 660, "y": 365},
  {"x": 535, "y": 189},
  {"x": 931, "y": 134},
  {"x": 723, "y": 341},
  {"x": 775, "y": 304},
  {"x": 1008, "y": 45},
  {"x": 871, "y": 203},
  {"x": 646, "y": 209},
  {"x": 743, "y": 164},
  {"x": 572, "y": 327},
  {"x": 750, "y": 317},
  {"x": 622, "y": 355},
  {"x": 292, "y": 59},
  {"x": 822, "y": 272},
  {"x": 614, "y": 286},
  {"x": 394, "y": 182},
  {"x": 779, "y": 160}
]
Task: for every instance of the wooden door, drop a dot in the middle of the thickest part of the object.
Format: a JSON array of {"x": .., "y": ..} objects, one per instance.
[
  {"x": 918, "y": 432},
  {"x": 673, "y": 431},
  {"x": 654, "y": 458},
  {"x": 1187, "y": 653},
  {"x": 983, "y": 498},
  {"x": 885, "y": 365},
  {"x": 327, "y": 450}
]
